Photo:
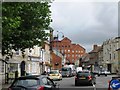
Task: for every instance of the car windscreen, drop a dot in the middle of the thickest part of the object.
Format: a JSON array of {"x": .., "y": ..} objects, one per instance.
[
  {"x": 65, "y": 69},
  {"x": 53, "y": 72},
  {"x": 83, "y": 73},
  {"x": 26, "y": 82}
]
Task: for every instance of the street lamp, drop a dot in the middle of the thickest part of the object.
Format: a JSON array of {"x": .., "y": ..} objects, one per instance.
[
  {"x": 51, "y": 39},
  {"x": 42, "y": 58},
  {"x": 6, "y": 74},
  {"x": 58, "y": 33}
]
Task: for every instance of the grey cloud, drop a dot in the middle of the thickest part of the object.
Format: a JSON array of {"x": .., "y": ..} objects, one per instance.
[{"x": 86, "y": 23}]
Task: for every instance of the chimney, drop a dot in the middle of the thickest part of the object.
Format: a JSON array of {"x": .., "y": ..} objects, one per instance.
[{"x": 95, "y": 47}]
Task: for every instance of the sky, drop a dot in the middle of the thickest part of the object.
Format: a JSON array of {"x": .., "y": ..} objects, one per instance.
[{"x": 85, "y": 22}]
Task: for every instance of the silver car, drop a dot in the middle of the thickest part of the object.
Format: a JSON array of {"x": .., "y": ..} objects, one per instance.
[{"x": 33, "y": 82}]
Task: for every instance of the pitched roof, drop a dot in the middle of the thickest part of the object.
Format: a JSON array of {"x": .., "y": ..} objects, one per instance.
[
  {"x": 95, "y": 49},
  {"x": 65, "y": 39}
]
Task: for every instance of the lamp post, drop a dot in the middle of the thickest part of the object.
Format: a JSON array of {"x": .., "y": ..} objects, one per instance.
[
  {"x": 42, "y": 59},
  {"x": 58, "y": 33},
  {"x": 6, "y": 74},
  {"x": 51, "y": 39}
]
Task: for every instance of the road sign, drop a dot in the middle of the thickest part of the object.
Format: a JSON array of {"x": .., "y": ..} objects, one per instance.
[{"x": 115, "y": 84}]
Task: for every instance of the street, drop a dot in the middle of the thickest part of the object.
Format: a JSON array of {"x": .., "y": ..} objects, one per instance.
[
  {"x": 101, "y": 83},
  {"x": 69, "y": 83}
]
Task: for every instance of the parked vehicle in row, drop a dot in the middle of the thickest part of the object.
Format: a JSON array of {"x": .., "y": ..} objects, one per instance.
[
  {"x": 102, "y": 72},
  {"x": 33, "y": 82},
  {"x": 114, "y": 83},
  {"x": 79, "y": 69},
  {"x": 55, "y": 75},
  {"x": 66, "y": 72},
  {"x": 85, "y": 77},
  {"x": 107, "y": 72}
]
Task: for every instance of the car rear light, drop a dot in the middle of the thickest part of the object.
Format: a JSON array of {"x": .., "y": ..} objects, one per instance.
[
  {"x": 41, "y": 88},
  {"x": 9, "y": 89},
  {"x": 109, "y": 88},
  {"x": 89, "y": 77},
  {"x": 75, "y": 77}
]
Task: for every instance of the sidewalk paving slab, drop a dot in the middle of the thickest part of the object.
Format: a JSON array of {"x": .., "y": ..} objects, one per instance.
[{"x": 5, "y": 86}]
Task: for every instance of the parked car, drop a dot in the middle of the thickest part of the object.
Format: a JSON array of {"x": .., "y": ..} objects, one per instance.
[
  {"x": 55, "y": 75},
  {"x": 102, "y": 72},
  {"x": 33, "y": 82},
  {"x": 85, "y": 77},
  {"x": 107, "y": 72},
  {"x": 66, "y": 72},
  {"x": 114, "y": 83},
  {"x": 96, "y": 72}
]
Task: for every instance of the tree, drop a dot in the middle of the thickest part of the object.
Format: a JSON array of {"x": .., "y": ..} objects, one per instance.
[{"x": 24, "y": 25}]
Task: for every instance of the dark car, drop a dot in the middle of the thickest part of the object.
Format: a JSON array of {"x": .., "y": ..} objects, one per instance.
[
  {"x": 33, "y": 82},
  {"x": 85, "y": 77},
  {"x": 114, "y": 83}
]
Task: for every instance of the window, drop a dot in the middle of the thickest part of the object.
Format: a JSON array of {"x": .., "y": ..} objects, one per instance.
[
  {"x": 72, "y": 55},
  {"x": 2, "y": 67},
  {"x": 68, "y": 55},
  {"x": 26, "y": 82},
  {"x": 114, "y": 55},
  {"x": 72, "y": 51},
  {"x": 68, "y": 50},
  {"x": 17, "y": 52},
  {"x": 65, "y": 51},
  {"x": 49, "y": 82},
  {"x": 44, "y": 80},
  {"x": 110, "y": 56}
]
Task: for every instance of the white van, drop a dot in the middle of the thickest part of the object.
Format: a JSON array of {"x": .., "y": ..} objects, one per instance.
[{"x": 78, "y": 69}]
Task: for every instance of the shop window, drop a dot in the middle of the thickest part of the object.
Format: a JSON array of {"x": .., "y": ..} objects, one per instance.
[
  {"x": 17, "y": 52},
  {"x": 2, "y": 68}
]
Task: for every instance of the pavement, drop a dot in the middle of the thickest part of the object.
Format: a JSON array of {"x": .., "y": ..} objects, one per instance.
[{"x": 5, "y": 86}]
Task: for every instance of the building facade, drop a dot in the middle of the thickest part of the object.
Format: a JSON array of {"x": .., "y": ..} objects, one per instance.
[
  {"x": 94, "y": 57},
  {"x": 72, "y": 52},
  {"x": 110, "y": 55},
  {"x": 36, "y": 60},
  {"x": 57, "y": 59}
]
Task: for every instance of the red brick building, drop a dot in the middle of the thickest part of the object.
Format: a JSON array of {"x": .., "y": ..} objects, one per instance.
[
  {"x": 71, "y": 51},
  {"x": 56, "y": 61}
]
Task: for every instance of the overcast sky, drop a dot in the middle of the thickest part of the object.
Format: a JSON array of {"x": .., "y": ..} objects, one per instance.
[{"x": 86, "y": 23}]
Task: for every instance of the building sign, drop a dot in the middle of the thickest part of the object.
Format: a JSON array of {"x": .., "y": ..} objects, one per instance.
[{"x": 35, "y": 59}]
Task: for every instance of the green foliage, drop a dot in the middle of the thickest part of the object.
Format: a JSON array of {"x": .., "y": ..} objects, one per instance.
[{"x": 24, "y": 24}]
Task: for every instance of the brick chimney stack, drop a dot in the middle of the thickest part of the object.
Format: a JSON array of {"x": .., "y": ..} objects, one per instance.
[{"x": 95, "y": 47}]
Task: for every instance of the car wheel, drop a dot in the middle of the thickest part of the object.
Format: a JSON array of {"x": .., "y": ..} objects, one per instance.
[
  {"x": 91, "y": 83},
  {"x": 76, "y": 84},
  {"x": 94, "y": 83},
  {"x": 105, "y": 74}
]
